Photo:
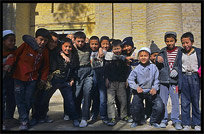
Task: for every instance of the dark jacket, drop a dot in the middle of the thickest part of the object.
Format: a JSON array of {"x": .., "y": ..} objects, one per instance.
[
  {"x": 116, "y": 70},
  {"x": 198, "y": 53},
  {"x": 164, "y": 70}
]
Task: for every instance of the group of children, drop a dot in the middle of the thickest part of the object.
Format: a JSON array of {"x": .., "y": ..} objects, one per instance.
[{"x": 102, "y": 75}]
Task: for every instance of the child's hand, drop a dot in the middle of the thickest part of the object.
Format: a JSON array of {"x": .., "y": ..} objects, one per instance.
[
  {"x": 128, "y": 59},
  {"x": 153, "y": 91},
  {"x": 71, "y": 82},
  {"x": 9, "y": 56},
  {"x": 7, "y": 68},
  {"x": 139, "y": 90},
  {"x": 100, "y": 52},
  {"x": 160, "y": 59},
  {"x": 67, "y": 59},
  {"x": 126, "y": 84},
  {"x": 107, "y": 83},
  {"x": 41, "y": 84}
]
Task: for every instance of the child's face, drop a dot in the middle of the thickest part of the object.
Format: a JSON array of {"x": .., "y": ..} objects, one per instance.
[
  {"x": 153, "y": 57},
  {"x": 10, "y": 42},
  {"x": 80, "y": 42},
  {"x": 105, "y": 45},
  {"x": 127, "y": 49},
  {"x": 41, "y": 41},
  {"x": 143, "y": 57},
  {"x": 187, "y": 44},
  {"x": 67, "y": 48},
  {"x": 170, "y": 42},
  {"x": 94, "y": 45},
  {"x": 53, "y": 43},
  {"x": 117, "y": 50}
]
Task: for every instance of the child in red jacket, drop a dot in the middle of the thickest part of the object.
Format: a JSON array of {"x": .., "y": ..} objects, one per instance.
[{"x": 28, "y": 63}]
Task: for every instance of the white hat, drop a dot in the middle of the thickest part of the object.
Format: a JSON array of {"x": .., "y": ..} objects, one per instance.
[
  {"x": 7, "y": 32},
  {"x": 145, "y": 49}
]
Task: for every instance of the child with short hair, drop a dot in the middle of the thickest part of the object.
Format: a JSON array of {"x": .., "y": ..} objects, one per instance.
[
  {"x": 145, "y": 84},
  {"x": 9, "y": 103},
  {"x": 99, "y": 93},
  {"x": 26, "y": 73},
  {"x": 85, "y": 78},
  {"x": 167, "y": 63},
  {"x": 189, "y": 82},
  {"x": 115, "y": 74}
]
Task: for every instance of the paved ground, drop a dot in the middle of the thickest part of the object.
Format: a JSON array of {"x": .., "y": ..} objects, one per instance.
[{"x": 56, "y": 113}]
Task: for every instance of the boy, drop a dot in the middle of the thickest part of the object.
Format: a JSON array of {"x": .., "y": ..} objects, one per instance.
[
  {"x": 189, "y": 82},
  {"x": 85, "y": 78},
  {"x": 145, "y": 84},
  {"x": 9, "y": 104},
  {"x": 167, "y": 63},
  {"x": 115, "y": 75},
  {"x": 26, "y": 73},
  {"x": 99, "y": 95},
  {"x": 154, "y": 52}
]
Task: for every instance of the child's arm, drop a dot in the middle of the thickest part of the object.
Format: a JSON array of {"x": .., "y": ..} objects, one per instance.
[
  {"x": 131, "y": 80},
  {"x": 155, "y": 86},
  {"x": 31, "y": 42},
  {"x": 67, "y": 59}
]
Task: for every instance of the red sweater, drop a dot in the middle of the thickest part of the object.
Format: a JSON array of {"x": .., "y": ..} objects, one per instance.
[{"x": 29, "y": 62}]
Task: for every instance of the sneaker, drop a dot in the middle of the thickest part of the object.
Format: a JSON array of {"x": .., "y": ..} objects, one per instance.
[
  {"x": 155, "y": 125},
  {"x": 134, "y": 124},
  {"x": 33, "y": 122},
  {"x": 197, "y": 128},
  {"x": 66, "y": 117},
  {"x": 4, "y": 127},
  {"x": 45, "y": 120},
  {"x": 76, "y": 123},
  {"x": 177, "y": 126},
  {"x": 142, "y": 122},
  {"x": 186, "y": 127},
  {"x": 128, "y": 119},
  {"x": 23, "y": 126},
  {"x": 163, "y": 125},
  {"x": 93, "y": 117},
  {"x": 83, "y": 123},
  {"x": 105, "y": 121},
  {"x": 112, "y": 122}
]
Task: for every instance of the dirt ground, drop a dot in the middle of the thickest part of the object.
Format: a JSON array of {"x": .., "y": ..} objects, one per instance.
[{"x": 56, "y": 113}]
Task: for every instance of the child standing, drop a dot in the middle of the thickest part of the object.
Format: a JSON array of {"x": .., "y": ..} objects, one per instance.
[
  {"x": 115, "y": 75},
  {"x": 9, "y": 103},
  {"x": 154, "y": 52},
  {"x": 26, "y": 73},
  {"x": 167, "y": 63},
  {"x": 145, "y": 84},
  {"x": 85, "y": 78},
  {"x": 99, "y": 93},
  {"x": 189, "y": 82}
]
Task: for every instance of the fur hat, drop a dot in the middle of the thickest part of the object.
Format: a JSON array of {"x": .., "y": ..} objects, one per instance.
[
  {"x": 154, "y": 48},
  {"x": 7, "y": 32},
  {"x": 128, "y": 41}
]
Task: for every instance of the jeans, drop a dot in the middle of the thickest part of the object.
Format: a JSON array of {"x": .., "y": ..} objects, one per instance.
[
  {"x": 9, "y": 98},
  {"x": 23, "y": 91},
  {"x": 83, "y": 91},
  {"x": 99, "y": 94},
  {"x": 165, "y": 90},
  {"x": 137, "y": 107},
  {"x": 190, "y": 94}
]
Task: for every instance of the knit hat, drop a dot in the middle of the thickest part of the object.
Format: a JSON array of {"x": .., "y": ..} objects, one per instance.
[
  {"x": 144, "y": 49},
  {"x": 128, "y": 41},
  {"x": 171, "y": 32},
  {"x": 7, "y": 32},
  {"x": 154, "y": 48}
]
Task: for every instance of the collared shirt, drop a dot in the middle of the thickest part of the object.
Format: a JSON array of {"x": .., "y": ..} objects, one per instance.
[
  {"x": 189, "y": 62},
  {"x": 145, "y": 77}
]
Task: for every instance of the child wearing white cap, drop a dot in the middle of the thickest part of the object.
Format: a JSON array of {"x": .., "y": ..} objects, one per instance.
[
  {"x": 9, "y": 48},
  {"x": 144, "y": 83}
]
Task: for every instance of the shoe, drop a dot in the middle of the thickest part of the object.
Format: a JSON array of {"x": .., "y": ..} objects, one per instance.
[
  {"x": 197, "y": 128},
  {"x": 83, "y": 123},
  {"x": 186, "y": 127},
  {"x": 93, "y": 117},
  {"x": 128, "y": 119},
  {"x": 33, "y": 122},
  {"x": 112, "y": 122},
  {"x": 4, "y": 127},
  {"x": 155, "y": 125},
  {"x": 142, "y": 122},
  {"x": 163, "y": 125},
  {"x": 134, "y": 124},
  {"x": 48, "y": 120},
  {"x": 23, "y": 126},
  {"x": 105, "y": 121},
  {"x": 177, "y": 126},
  {"x": 76, "y": 123},
  {"x": 66, "y": 117}
]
